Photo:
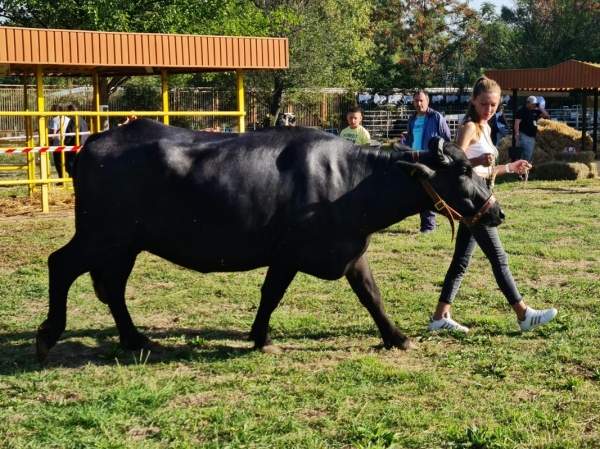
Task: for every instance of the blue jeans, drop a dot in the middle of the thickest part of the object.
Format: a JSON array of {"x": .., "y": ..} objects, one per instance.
[
  {"x": 489, "y": 242},
  {"x": 528, "y": 144}
]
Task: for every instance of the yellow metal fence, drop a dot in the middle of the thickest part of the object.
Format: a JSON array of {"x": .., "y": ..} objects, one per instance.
[{"x": 37, "y": 146}]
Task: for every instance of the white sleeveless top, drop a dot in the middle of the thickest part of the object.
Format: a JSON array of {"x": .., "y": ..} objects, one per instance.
[{"x": 483, "y": 146}]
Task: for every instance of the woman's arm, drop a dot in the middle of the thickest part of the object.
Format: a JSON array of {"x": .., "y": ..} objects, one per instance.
[
  {"x": 520, "y": 167},
  {"x": 467, "y": 135}
]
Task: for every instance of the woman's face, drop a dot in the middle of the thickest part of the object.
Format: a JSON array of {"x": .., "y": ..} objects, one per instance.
[{"x": 486, "y": 104}]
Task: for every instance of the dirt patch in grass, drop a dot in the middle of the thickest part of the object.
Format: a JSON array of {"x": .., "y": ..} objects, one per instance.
[
  {"x": 141, "y": 433},
  {"x": 202, "y": 399},
  {"x": 61, "y": 201}
]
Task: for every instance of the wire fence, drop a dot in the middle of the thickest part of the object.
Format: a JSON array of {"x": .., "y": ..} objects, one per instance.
[{"x": 325, "y": 109}]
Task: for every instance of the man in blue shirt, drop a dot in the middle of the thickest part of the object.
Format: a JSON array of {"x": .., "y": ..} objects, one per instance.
[{"x": 422, "y": 127}]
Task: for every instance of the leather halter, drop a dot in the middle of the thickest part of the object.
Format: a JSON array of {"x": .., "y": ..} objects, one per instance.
[{"x": 452, "y": 214}]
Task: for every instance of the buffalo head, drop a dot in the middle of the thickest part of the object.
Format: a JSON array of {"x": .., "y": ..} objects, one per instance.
[{"x": 455, "y": 190}]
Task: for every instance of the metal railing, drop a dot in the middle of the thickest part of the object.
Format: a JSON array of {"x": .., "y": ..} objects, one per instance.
[{"x": 390, "y": 124}]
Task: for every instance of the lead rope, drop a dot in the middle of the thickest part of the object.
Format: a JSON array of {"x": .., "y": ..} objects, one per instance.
[{"x": 493, "y": 173}]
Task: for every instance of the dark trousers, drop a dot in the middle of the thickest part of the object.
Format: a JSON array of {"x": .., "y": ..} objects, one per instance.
[
  {"x": 427, "y": 221},
  {"x": 488, "y": 240},
  {"x": 69, "y": 161}
]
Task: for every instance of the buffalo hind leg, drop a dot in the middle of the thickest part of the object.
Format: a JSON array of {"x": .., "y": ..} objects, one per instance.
[
  {"x": 110, "y": 281},
  {"x": 361, "y": 280},
  {"x": 64, "y": 266},
  {"x": 276, "y": 282}
]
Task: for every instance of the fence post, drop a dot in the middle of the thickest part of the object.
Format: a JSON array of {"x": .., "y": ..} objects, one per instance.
[
  {"x": 240, "y": 100},
  {"x": 96, "y": 100},
  {"x": 583, "y": 118},
  {"x": 164, "y": 86},
  {"x": 514, "y": 111},
  {"x": 43, "y": 136},
  {"x": 595, "y": 126}
]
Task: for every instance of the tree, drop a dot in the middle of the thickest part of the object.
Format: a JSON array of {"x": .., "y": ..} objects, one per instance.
[
  {"x": 165, "y": 16},
  {"x": 417, "y": 41},
  {"x": 496, "y": 43},
  {"x": 326, "y": 37},
  {"x": 552, "y": 31},
  {"x": 328, "y": 41}
]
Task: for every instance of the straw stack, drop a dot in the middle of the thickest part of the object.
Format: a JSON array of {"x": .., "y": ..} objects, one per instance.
[{"x": 558, "y": 145}]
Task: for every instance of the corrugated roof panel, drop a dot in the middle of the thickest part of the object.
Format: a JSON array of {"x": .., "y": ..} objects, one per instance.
[
  {"x": 567, "y": 75},
  {"x": 78, "y": 51}
]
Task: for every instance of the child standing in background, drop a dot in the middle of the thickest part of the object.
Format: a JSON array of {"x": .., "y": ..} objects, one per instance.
[{"x": 355, "y": 132}]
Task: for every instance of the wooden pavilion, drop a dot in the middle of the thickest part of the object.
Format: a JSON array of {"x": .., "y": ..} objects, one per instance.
[
  {"x": 49, "y": 52},
  {"x": 568, "y": 76}
]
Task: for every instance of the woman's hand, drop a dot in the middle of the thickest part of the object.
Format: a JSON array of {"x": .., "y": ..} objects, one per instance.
[
  {"x": 520, "y": 167},
  {"x": 485, "y": 159}
]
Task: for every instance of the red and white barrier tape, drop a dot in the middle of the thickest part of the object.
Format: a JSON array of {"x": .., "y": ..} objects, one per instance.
[
  {"x": 35, "y": 135},
  {"x": 54, "y": 149}
]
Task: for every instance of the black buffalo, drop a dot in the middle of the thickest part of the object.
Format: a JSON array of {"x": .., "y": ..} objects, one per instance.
[{"x": 293, "y": 200}]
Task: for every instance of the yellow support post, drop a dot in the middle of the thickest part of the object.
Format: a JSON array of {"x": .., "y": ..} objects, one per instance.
[
  {"x": 240, "y": 100},
  {"x": 164, "y": 83},
  {"x": 96, "y": 99},
  {"x": 30, "y": 157},
  {"x": 43, "y": 133},
  {"x": 28, "y": 141}
]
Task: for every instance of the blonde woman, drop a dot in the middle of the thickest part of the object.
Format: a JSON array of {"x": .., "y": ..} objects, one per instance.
[{"x": 474, "y": 138}]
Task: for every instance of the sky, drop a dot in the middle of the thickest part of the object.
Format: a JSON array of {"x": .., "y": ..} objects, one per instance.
[{"x": 476, "y": 4}]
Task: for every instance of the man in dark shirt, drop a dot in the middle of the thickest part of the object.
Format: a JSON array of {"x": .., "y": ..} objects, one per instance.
[{"x": 526, "y": 126}]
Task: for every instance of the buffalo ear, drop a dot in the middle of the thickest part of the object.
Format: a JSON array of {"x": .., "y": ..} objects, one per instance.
[
  {"x": 416, "y": 170},
  {"x": 397, "y": 146},
  {"x": 455, "y": 152},
  {"x": 436, "y": 149}
]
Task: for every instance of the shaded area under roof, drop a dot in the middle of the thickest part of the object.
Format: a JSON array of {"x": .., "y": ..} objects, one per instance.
[
  {"x": 78, "y": 52},
  {"x": 566, "y": 76}
]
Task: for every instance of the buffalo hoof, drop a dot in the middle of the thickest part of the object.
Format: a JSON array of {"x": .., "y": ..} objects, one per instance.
[
  {"x": 41, "y": 349},
  {"x": 259, "y": 341},
  {"x": 45, "y": 339},
  {"x": 270, "y": 349},
  {"x": 136, "y": 342},
  {"x": 399, "y": 341}
]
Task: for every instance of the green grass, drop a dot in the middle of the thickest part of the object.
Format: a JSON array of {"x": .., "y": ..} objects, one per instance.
[{"x": 332, "y": 386}]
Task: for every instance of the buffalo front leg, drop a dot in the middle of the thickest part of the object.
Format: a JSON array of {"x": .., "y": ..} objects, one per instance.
[
  {"x": 361, "y": 280},
  {"x": 64, "y": 266},
  {"x": 276, "y": 282},
  {"x": 110, "y": 282}
]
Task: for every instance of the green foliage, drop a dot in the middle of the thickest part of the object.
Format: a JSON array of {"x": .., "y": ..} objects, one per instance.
[
  {"x": 418, "y": 42},
  {"x": 348, "y": 43},
  {"x": 326, "y": 41},
  {"x": 551, "y": 32}
]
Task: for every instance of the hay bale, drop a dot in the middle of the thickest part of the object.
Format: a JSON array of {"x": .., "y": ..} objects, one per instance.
[
  {"x": 594, "y": 169},
  {"x": 503, "y": 147},
  {"x": 555, "y": 137},
  {"x": 554, "y": 141},
  {"x": 557, "y": 170},
  {"x": 585, "y": 157},
  {"x": 540, "y": 157}
]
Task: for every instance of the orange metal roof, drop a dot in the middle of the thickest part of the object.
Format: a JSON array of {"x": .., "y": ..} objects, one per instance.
[
  {"x": 80, "y": 52},
  {"x": 568, "y": 75}
]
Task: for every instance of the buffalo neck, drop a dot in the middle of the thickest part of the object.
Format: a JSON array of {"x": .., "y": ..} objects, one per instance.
[{"x": 384, "y": 193}]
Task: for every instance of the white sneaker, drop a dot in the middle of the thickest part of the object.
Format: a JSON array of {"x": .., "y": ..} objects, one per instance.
[
  {"x": 446, "y": 323},
  {"x": 535, "y": 318}
]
